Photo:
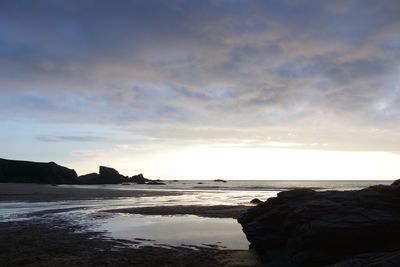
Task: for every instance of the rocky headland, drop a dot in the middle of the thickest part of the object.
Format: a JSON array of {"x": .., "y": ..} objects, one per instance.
[
  {"x": 17, "y": 171},
  {"x": 303, "y": 227}
]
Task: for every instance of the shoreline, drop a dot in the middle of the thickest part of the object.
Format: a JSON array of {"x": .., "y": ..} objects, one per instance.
[
  {"x": 57, "y": 237},
  {"x": 50, "y": 193}
]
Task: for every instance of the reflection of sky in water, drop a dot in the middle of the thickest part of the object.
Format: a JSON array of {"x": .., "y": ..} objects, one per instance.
[
  {"x": 162, "y": 230},
  {"x": 175, "y": 230}
]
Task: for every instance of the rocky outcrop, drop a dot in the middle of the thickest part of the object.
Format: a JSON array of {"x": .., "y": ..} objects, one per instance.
[
  {"x": 303, "y": 227},
  {"x": 106, "y": 175},
  {"x": 109, "y": 175},
  {"x": 90, "y": 178},
  {"x": 16, "y": 171},
  {"x": 138, "y": 179}
]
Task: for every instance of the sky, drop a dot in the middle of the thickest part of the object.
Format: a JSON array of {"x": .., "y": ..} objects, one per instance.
[{"x": 183, "y": 89}]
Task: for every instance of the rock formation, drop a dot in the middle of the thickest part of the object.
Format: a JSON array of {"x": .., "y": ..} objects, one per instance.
[
  {"x": 109, "y": 175},
  {"x": 138, "y": 179},
  {"x": 303, "y": 227},
  {"x": 16, "y": 171}
]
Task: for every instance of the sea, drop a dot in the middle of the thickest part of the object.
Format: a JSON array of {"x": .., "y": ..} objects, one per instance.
[{"x": 187, "y": 231}]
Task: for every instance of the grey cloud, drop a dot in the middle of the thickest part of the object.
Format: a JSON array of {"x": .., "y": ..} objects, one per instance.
[
  {"x": 210, "y": 63},
  {"x": 45, "y": 138}
]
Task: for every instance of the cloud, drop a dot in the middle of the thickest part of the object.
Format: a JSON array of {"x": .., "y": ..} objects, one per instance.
[
  {"x": 309, "y": 67},
  {"x": 44, "y": 138}
]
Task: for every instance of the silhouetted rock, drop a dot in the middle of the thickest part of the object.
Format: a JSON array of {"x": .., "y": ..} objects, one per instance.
[
  {"x": 91, "y": 178},
  {"x": 138, "y": 179},
  {"x": 16, "y": 171},
  {"x": 396, "y": 183},
  {"x": 106, "y": 175},
  {"x": 303, "y": 227},
  {"x": 219, "y": 181},
  {"x": 109, "y": 173},
  {"x": 256, "y": 201}
]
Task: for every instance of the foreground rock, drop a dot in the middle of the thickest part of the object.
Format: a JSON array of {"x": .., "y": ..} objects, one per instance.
[
  {"x": 303, "y": 227},
  {"x": 17, "y": 171}
]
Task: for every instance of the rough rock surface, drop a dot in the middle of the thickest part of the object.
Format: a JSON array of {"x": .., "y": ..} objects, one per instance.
[
  {"x": 17, "y": 171},
  {"x": 303, "y": 227}
]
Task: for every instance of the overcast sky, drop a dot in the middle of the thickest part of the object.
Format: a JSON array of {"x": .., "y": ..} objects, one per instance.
[{"x": 192, "y": 89}]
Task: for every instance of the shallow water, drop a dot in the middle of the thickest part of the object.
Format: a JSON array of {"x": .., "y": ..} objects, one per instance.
[{"x": 183, "y": 231}]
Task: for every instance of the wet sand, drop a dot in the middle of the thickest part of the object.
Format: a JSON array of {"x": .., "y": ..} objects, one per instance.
[
  {"x": 39, "y": 193},
  {"x": 57, "y": 243},
  {"x": 219, "y": 211},
  {"x": 41, "y": 240}
]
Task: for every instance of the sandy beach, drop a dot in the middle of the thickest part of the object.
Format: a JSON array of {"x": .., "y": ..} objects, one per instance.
[
  {"x": 38, "y": 192},
  {"x": 61, "y": 229},
  {"x": 219, "y": 211},
  {"x": 37, "y": 243}
]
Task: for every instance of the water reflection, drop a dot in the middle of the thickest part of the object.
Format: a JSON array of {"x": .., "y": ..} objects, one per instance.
[{"x": 175, "y": 231}]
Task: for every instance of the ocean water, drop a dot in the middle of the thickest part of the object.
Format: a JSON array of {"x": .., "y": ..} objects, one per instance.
[
  {"x": 250, "y": 185},
  {"x": 168, "y": 231}
]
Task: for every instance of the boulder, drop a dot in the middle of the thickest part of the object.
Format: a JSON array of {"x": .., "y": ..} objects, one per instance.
[
  {"x": 303, "y": 227},
  {"x": 256, "y": 201},
  {"x": 17, "y": 171}
]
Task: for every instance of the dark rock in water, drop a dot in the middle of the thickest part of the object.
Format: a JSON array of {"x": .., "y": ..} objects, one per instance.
[
  {"x": 16, "y": 171},
  {"x": 219, "y": 181},
  {"x": 155, "y": 183},
  {"x": 199, "y": 183},
  {"x": 303, "y": 227},
  {"x": 139, "y": 179},
  {"x": 256, "y": 201}
]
